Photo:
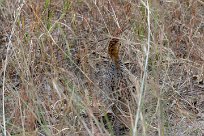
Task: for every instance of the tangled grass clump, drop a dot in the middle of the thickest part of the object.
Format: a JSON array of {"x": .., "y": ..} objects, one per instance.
[{"x": 60, "y": 76}]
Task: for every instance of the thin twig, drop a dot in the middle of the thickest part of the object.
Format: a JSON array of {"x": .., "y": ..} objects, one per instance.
[
  {"x": 145, "y": 71},
  {"x": 6, "y": 63}
]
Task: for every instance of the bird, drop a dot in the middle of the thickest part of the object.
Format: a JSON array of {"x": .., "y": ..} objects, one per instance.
[
  {"x": 118, "y": 82},
  {"x": 117, "y": 70},
  {"x": 116, "y": 87}
]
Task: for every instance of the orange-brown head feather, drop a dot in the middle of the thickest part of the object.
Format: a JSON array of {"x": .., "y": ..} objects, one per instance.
[{"x": 113, "y": 51}]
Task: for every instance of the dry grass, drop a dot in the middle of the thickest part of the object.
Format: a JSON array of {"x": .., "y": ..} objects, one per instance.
[{"x": 53, "y": 60}]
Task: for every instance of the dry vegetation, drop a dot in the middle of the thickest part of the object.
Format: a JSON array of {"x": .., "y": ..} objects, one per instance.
[{"x": 54, "y": 63}]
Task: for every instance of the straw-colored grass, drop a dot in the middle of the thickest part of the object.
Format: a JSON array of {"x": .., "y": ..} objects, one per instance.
[{"x": 55, "y": 67}]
